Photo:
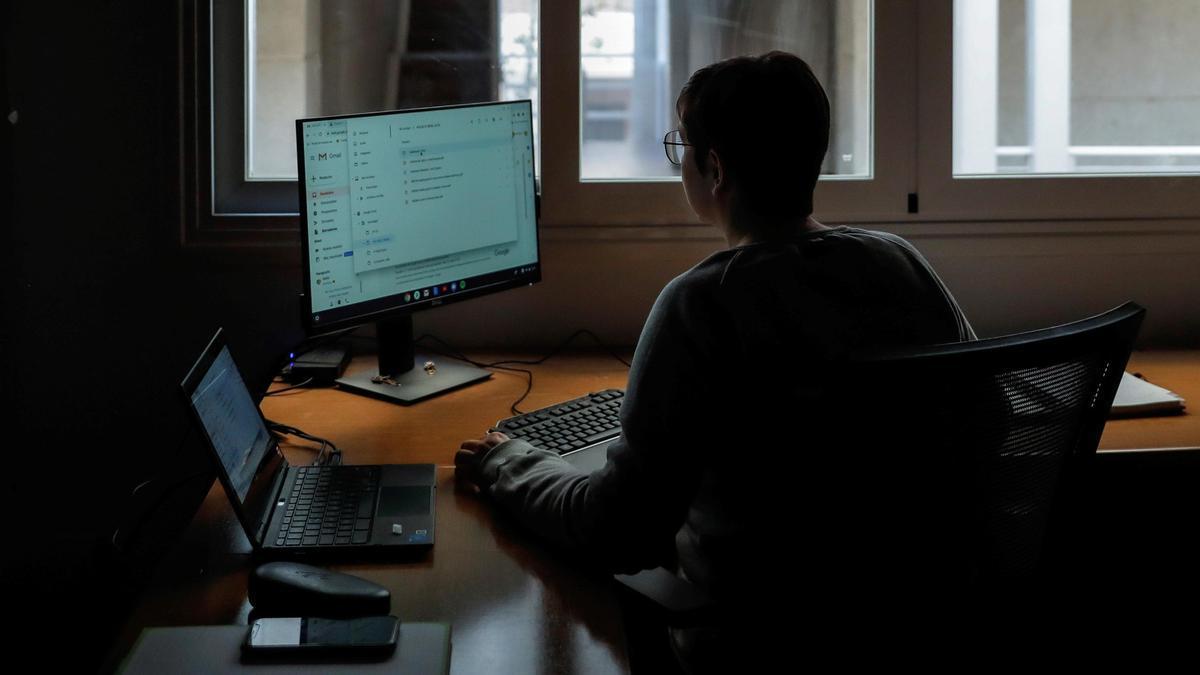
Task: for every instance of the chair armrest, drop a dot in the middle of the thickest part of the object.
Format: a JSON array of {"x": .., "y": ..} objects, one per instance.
[{"x": 676, "y": 602}]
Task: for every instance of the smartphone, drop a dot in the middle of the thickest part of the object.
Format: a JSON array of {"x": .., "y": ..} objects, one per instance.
[{"x": 299, "y": 637}]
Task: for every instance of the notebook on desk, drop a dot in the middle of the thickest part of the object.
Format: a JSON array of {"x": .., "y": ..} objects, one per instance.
[
  {"x": 423, "y": 648},
  {"x": 1139, "y": 398},
  {"x": 289, "y": 510}
]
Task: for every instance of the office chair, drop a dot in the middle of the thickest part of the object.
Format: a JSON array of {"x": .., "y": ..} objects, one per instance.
[{"x": 955, "y": 479}]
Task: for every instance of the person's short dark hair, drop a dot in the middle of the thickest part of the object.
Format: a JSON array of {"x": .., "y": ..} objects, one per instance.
[{"x": 768, "y": 119}]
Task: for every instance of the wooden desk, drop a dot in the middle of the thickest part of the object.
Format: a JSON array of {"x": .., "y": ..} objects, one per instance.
[
  {"x": 515, "y": 607},
  {"x": 430, "y": 432}
]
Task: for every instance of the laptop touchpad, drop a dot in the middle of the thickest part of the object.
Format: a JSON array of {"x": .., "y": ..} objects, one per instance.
[{"x": 403, "y": 500}]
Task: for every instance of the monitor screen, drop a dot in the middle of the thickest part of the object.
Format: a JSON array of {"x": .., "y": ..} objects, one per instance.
[{"x": 412, "y": 209}]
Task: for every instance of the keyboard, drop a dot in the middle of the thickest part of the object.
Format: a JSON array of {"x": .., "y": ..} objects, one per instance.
[
  {"x": 571, "y": 425},
  {"x": 330, "y": 505}
]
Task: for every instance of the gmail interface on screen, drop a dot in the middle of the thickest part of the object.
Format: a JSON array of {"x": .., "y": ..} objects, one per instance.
[{"x": 402, "y": 203}]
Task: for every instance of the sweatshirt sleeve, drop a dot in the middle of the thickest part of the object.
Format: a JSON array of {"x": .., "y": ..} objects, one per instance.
[{"x": 625, "y": 514}]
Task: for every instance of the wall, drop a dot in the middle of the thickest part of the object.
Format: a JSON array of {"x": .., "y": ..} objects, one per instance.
[
  {"x": 102, "y": 317},
  {"x": 1015, "y": 277}
]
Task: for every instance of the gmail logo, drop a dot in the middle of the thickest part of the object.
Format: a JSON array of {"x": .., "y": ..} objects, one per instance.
[{"x": 322, "y": 155}]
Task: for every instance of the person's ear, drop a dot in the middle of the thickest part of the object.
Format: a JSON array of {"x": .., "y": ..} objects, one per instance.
[{"x": 716, "y": 172}]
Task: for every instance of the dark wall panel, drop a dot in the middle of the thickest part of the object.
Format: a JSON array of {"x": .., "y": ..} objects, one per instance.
[{"x": 103, "y": 314}]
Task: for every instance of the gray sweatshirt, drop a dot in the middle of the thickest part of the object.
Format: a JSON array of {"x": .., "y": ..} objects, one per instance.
[{"x": 685, "y": 484}]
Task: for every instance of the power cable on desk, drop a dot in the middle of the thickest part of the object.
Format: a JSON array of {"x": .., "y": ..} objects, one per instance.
[
  {"x": 455, "y": 353},
  {"x": 309, "y": 344},
  {"x": 143, "y": 514},
  {"x": 334, "y": 456},
  {"x": 133, "y": 528},
  {"x": 501, "y": 365},
  {"x": 562, "y": 345},
  {"x": 294, "y": 386},
  {"x": 125, "y": 533}
]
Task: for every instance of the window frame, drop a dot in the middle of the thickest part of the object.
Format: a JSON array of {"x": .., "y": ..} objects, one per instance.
[
  {"x": 1020, "y": 197},
  {"x": 882, "y": 196},
  {"x": 203, "y": 224},
  {"x": 911, "y": 179},
  {"x": 233, "y": 193}
]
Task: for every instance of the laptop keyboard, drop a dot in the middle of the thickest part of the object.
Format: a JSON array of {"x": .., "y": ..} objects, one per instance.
[
  {"x": 330, "y": 506},
  {"x": 569, "y": 426}
]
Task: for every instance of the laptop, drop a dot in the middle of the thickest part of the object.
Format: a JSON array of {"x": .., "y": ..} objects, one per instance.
[{"x": 290, "y": 510}]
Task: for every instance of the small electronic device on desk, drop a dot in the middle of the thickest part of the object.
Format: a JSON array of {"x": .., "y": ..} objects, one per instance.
[
  {"x": 303, "y": 637},
  {"x": 321, "y": 366}
]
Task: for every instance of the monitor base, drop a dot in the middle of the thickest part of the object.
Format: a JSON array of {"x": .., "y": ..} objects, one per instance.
[{"x": 414, "y": 385}]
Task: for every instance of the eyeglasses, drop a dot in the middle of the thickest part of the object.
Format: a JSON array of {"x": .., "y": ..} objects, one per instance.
[{"x": 673, "y": 144}]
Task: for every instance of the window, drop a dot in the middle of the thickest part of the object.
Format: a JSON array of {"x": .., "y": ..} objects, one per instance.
[
  {"x": 635, "y": 56},
  {"x": 312, "y": 59},
  {"x": 1061, "y": 87},
  {"x": 616, "y": 66},
  {"x": 1038, "y": 109},
  {"x": 1057, "y": 110},
  {"x": 274, "y": 61}
]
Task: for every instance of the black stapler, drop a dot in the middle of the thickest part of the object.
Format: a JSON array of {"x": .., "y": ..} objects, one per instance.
[{"x": 296, "y": 589}]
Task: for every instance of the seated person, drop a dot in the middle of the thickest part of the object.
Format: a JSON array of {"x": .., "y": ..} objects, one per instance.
[{"x": 710, "y": 469}]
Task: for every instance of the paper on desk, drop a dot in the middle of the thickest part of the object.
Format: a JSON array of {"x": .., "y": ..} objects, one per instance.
[{"x": 1136, "y": 397}]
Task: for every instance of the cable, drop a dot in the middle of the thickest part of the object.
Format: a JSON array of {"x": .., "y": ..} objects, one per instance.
[
  {"x": 151, "y": 508},
  {"x": 309, "y": 344},
  {"x": 456, "y": 353},
  {"x": 328, "y": 454},
  {"x": 528, "y": 386},
  {"x": 564, "y": 343},
  {"x": 143, "y": 516},
  {"x": 334, "y": 455},
  {"x": 294, "y": 386}
]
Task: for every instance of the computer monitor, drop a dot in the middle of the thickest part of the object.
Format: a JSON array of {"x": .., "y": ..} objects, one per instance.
[{"x": 409, "y": 210}]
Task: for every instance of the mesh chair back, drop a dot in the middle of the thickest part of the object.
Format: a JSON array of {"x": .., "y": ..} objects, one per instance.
[
  {"x": 961, "y": 462},
  {"x": 900, "y": 484}
]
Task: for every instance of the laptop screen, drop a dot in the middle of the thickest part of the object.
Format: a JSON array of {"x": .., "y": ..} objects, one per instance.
[{"x": 232, "y": 422}]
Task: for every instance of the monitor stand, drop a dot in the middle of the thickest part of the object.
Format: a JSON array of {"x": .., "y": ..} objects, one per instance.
[{"x": 406, "y": 376}]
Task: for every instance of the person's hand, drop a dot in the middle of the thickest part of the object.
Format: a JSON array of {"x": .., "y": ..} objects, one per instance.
[{"x": 471, "y": 452}]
